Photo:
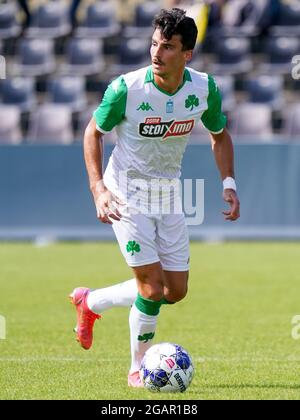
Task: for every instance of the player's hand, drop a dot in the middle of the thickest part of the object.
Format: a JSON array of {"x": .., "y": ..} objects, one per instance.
[
  {"x": 230, "y": 196},
  {"x": 107, "y": 206}
]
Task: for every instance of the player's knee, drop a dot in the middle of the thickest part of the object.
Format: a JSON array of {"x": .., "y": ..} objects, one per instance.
[
  {"x": 176, "y": 295},
  {"x": 152, "y": 292},
  {"x": 151, "y": 288},
  {"x": 150, "y": 283}
]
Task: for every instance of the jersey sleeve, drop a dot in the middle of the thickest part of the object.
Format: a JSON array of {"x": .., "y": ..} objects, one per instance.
[
  {"x": 112, "y": 109},
  {"x": 213, "y": 118}
]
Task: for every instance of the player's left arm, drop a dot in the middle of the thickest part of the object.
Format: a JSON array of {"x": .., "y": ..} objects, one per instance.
[
  {"x": 224, "y": 155},
  {"x": 215, "y": 122}
]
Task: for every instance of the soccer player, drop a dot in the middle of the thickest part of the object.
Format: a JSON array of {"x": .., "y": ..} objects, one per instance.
[{"x": 154, "y": 109}]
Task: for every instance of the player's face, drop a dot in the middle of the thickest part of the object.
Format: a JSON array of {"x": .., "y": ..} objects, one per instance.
[{"x": 167, "y": 55}]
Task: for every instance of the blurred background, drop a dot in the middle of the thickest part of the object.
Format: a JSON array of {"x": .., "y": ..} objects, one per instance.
[{"x": 59, "y": 57}]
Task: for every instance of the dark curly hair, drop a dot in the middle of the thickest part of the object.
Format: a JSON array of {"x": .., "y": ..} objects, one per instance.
[{"x": 175, "y": 22}]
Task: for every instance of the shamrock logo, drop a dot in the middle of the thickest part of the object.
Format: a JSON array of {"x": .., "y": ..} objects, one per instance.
[
  {"x": 146, "y": 337},
  {"x": 133, "y": 247},
  {"x": 191, "y": 101}
]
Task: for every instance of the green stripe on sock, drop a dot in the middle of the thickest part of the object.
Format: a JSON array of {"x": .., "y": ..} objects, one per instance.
[{"x": 147, "y": 306}]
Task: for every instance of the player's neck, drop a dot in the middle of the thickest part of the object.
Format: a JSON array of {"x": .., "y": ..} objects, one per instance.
[{"x": 170, "y": 83}]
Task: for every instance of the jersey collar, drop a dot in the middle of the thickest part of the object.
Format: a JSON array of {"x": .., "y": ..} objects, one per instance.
[{"x": 150, "y": 79}]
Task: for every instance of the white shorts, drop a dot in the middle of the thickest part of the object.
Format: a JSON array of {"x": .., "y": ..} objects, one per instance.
[{"x": 146, "y": 239}]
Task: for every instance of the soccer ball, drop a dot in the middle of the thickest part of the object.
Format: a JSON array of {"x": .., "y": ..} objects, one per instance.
[{"x": 166, "y": 367}]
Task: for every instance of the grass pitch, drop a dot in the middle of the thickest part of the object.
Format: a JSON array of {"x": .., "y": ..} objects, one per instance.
[{"x": 235, "y": 322}]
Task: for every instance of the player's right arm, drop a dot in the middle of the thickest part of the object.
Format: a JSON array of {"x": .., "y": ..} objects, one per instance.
[
  {"x": 108, "y": 115},
  {"x": 105, "y": 201}
]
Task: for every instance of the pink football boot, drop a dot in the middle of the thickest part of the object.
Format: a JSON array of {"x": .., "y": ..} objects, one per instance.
[{"x": 85, "y": 317}]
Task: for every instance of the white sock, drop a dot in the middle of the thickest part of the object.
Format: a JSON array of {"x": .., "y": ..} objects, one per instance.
[
  {"x": 122, "y": 294},
  {"x": 141, "y": 325}
]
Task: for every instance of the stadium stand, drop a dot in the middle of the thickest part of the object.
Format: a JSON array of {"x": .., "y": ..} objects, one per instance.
[
  {"x": 226, "y": 86},
  {"x": 83, "y": 57},
  {"x": 144, "y": 14},
  {"x": 50, "y": 20},
  {"x": 69, "y": 91},
  {"x": 243, "y": 122},
  {"x": 100, "y": 22},
  {"x": 133, "y": 53},
  {"x": 266, "y": 90},
  {"x": 279, "y": 53},
  {"x": 10, "y": 127},
  {"x": 291, "y": 128},
  {"x": 51, "y": 123},
  {"x": 35, "y": 58},
  {"x": 19, "y": 92},
  {"x": 288, "y": 22},
  {"x": 9, "y": 27},
  {"x": 232, "y": 56},
  {"x": 248, "y": 45}
]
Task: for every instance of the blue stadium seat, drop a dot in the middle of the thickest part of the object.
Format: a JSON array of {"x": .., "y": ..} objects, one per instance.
[
  {"x": 240, "y": 19},
  {"x": 51, "y": 20},
  {"x": 51, "y": 124},
  {"x": 100, "y": 22},
  {"x": 19, "y": 92},
  {"x": 133, "y": 53},
  {"x": 280, "y": 51},
  {"x": 289, "y": 19},
  {"x": 252, "y": 122},
  {"x": 144, "y": 15},
  {"x": 2, "y": 63},
  {"x": 226, "y": 87},
  {"x": 291, "y": 125},
  {"x": 35, "y": 58},
  {"x": 68, "y": 91},
  {"x": 10, "y": 130},
  {"x": 9, "y": 28},
  {"x": 233, "y": 56},
  {"x": 83, "y": 57},
  {"x": 266, "y": 90}
]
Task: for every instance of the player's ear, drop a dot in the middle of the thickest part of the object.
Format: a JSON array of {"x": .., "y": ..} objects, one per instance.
[{"x": 188, "y": 55}]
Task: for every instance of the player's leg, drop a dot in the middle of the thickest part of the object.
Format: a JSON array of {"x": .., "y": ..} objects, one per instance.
[
  {"x": 156, "y": 287},
  {"x": 135, "y": 235},
  {"x": 175, "y": 285},
  {"x": 161, "y": 283},
  {"x": 144, "y": 315},
  {"x": 173, "y": 248},
  {"x": 90, "y": 303},
  {"x": 124, "y": 294},
  {"x": 121, "y": 294}
]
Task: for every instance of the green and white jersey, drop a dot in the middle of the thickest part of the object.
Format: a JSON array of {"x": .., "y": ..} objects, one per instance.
[{"x": 153, "y": 127}]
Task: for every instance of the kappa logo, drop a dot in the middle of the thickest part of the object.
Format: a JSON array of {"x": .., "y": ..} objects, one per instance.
[
  {"x": 145, "y": 107},
  {"x": 156, "y": 128}
]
